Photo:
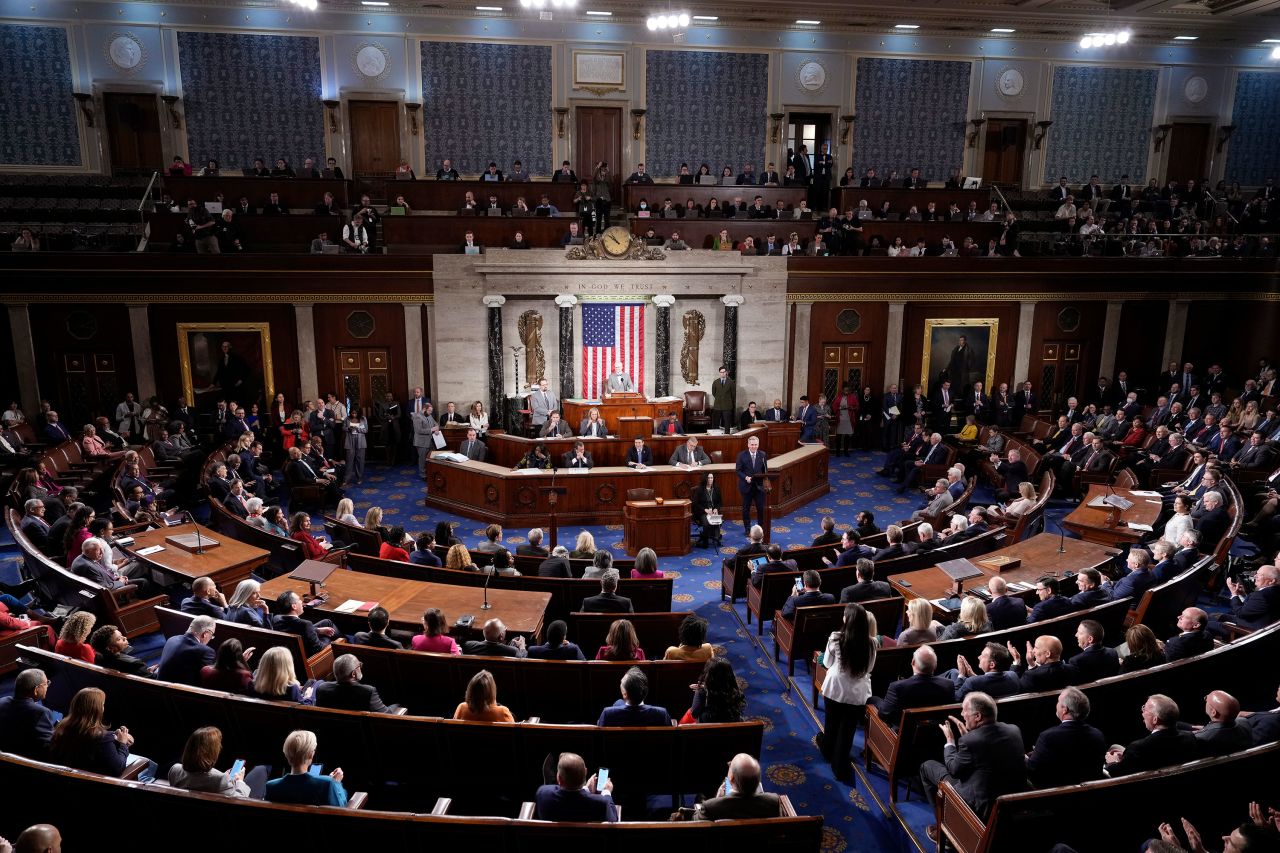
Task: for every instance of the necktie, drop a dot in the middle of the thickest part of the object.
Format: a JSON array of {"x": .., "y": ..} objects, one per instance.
[
  {"x": 753, "y": 462},
  {"x": 8, "y": 448},
  {"x": 946, "y": 397}
]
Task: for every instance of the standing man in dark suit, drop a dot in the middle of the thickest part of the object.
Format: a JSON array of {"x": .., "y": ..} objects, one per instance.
[
  {"x": 921, "y": 690},
  {"x": 1025, "y": 402},
  {"x": 751, "y": 467},
  {"x": 1071, "y": 752},
  {"x": 982, "y": 759},
  {"x": 608, "y": 601},
  {"x": 889, "y": 421},
  {"x": 942, "y": 400},
  {"x": 1013, "y": 471},
  {"x": 723, "y": 394}
]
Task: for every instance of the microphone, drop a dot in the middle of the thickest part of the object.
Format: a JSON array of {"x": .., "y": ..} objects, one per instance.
[
  {"x": 199, "y": 540},
  {"x": 1062, "y": 538},
  {"x": 487, "y": 577}
]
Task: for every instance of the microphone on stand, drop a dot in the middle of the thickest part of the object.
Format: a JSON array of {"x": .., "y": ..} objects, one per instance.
[
  {"x": 488, "y": 576},
  {"x": 199, "y": 540},
  {"x": 1062, "y": 538}
]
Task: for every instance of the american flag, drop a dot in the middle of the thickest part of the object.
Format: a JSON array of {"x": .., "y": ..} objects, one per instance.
[{"x": 611, "y": 334}]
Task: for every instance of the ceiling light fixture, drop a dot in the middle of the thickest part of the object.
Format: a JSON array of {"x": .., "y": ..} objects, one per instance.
[
  {"x": 374, "y": 3},
  {"x": 1275, "y": 53},
  {"x": 805, "y": 22},
  {"x": 1271, "y": 41},
  {"x": 1185, "y": 38},
  {"x": 601, "y": 14},
  {"x": 309, "y": 5},
  {"x": 706, "y": 17},
  {"x": 488, "y": 8},
  {"x": 1111, "y": 39},
  {"x": 906, "y": 26},
  {"x": 542, "y": 4},
  {"x": 1002, "y": 30},
  {"x": 667, "y": 21}
]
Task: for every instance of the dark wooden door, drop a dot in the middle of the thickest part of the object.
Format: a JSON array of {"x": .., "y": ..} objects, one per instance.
[
  {"x": 599, "y": 137},
  {"x": 375, "y": 137},
  {"x": 1188, "y": 146},
  {"x": 1060, "y": 372},
  {"x": 364, "y": 375},
  {"x": 1005, "y": 151},
  {"x": 133, "y": 132}
]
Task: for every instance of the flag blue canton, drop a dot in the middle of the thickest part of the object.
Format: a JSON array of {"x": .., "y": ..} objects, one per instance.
[{"x": 599, "y": 325}]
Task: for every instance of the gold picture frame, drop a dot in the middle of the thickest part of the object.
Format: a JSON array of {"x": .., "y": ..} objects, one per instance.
[
  {"x": 198, "y": 344},
  {"x": 940, "y": 338}
]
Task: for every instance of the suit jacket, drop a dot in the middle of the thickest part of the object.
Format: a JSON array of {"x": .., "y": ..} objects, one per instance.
[
  {"x": 917, "y": 691},
  {"x": 597, "y": 430},
  {"x": 202, "y": 607},
  {"x": 644, "y": 457},
  {"x": 607, "y": 602},
  {"x": 1051, "y": 676},
  {"x": 806, "y": 599},
  {"x": 541, "y": 404},
  {"x": 554, "y": 567},
  {"x": 1187, "y": 644},
  {"x": 1024, "y": 403},
  {"x": 995, "y": 684},
  {"x": 1067, "y": 754},
  {"x": 575, "y": 805},
  {"x": 1013, "y": 473},
  {"x": 97, "y": 572},
  {"x": 865, "y": 591},
  {"x": 1162, "y": 748},
  {"x": 473, "y": 449},
  {"x": 1133, "y": 584},
  {"x": 745, "y": 468},
  {"x": 681, "y": 456},
  {"x": 622, "y": 714},
  {"x": 1264, "y": 727},
  {"x": 1096, "y": 662},
  {"x": 183, "y": 658},
  {"x": 560, "y": 430},
  {"x": 305, "y": 789},
  {"x": 775, "y": 415},
  {"x": 986, "y": 763},
  {"x": 1224, "y": 738},
  {"x": 527, "y": 550},
  {"x": 496, "y": 650},
  {"x": 1090, "y": 598},
  {"x": 888, "y": 553},
  {"x": 351, "y": 696},
  {"x": 740, "y": 806},
  {"x": 37, "y": 531},
  {"x": 1006, "y": 612},
  {"x": 570, "y": 460},
  {"x": 1259, "y": 609},
  {"x": 26, "y": 727},
  {"x": 1054, "y": 605},
  {"x": 311, "y": 640},
  {"x": 378, "y": 641},
  {"x": 771, "y": 567},
  {"x": 722, "y": 395}
]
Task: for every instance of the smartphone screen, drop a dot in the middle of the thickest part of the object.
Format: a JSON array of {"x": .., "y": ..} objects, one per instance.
[
  {"x": 728, "y": 787},
  {"x": 316, "y": 769},
  {"x": 602, "y": 779},
  {"x": 236, "y": 768}
]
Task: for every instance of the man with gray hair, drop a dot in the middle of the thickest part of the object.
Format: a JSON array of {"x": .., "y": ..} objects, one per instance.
[
  {"x": 95, "y": 564},
  {"x": 941, "y": 500},
  {"x": 740, "y": 796},
  {"x": 1070, "y": 752},
  {"x": 534, "y": 546},
  {"x": 928, "y": 539},
  {"x": 494, "y": 643},
  {"x": 35, "y": 528},
  {"x": 26, "y": 725},
  {"x": 608, "y": 601},
  {"x": 186, "y": 654},
  {"x": 347, "y": 693},
  {"x": 982, "y": 759},
  {"x": 1166, "y": 746},
  {"x": 921, "y": 690},
  {"x": 557, "y": 565}
]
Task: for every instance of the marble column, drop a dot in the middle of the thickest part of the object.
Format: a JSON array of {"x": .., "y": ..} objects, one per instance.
[
  {"x": 24, "y": 359},
  {"x": 893, "y": 347},
  {"x": 798, "y": 354},
  {"x": 1022, "y": 356},
  {"x": 731, "y": 303},
  {"x": 305, "y": 322},
  {"x": 565, "y": 303},
  {"x": 662, "y": 345},
  {"x": 497, "y": 382},
  {"x": 1175, "y": 331},
  {"x": 1110, "y": 339},
  {"x": 144, "y": 369},
  {"x": 415, "y": 372}
]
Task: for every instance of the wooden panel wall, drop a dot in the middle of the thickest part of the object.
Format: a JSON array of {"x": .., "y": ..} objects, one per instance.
[
  {"x": 112, "y": 339},
  {"x": 388, "y": 333},
  {"x": 918, "y": 312},
  {"x": 1232, "y": 333},
  {"x": 9, "y": 387},
  {"x": 1141, "y": 344},
  {"x": 823, "y": 330}
]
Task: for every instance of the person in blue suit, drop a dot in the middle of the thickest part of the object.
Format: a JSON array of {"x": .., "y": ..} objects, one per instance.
[
  {"x": 575, "y": 797},
  {"x": 26, "y": 725},
  {"x": 1072, "y": 751},
  {"x": 631, "y": 710},
  {"x": 186, "y": 654},
  {"x": 751, "y": 467},
  {"x": 300, "y": 786},
  {"x": 807, "y": 415},
  {"x": 1138, "y": 579}
]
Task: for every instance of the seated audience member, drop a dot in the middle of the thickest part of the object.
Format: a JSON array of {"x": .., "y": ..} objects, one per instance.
[
  {"x": 1091, "y": 593},
  {"x": 740, "y": 797},
  {"x": 920, "y": 690},
  {"x": 81, "y": 741},
  {"x": 919, "y": 624},
  {"x": 608, "y": 601},
  {"x": 601, "y": 562},
  {"x": 1044, "y": 668},
  {"x": 376, "y": 636},
  {"x": 631, "y": 710},
  {"x": 392, "y": 546},
  {"x": 533, "y": 547},
  {"x": 230, "y": 669},
  {"x": 992, "y": 677},
  {"x": 575, "y": 797},
  {"x": 481, "y": 704},
  {"x": 494, "y": 643},
  {"x": 811, "y": 595},
  {"x": 347, "y": 693},
  {"x": 1165, "y": 746},
  {"x": 275, "y": 679},
  {"x": 315, "y": 635},
  {"x": 986, "y": 761},
  {"x": 111, "y": 651},
  {"x": 866, "y": 587},
  {"x": 755, "y": 545},
  {"x": 1193, "y": 638},
  {"x": 1095, "y": 660},
  {"x": 557, "y": 647},
  {"x": 693, "y": 641},
  {"x": 73, "y": 639},
  {"x": 1145, "y": 651},
  {"x": 26, "y": 725},
  {"x": 300, "y": 786},
  {"x": 1259, "y": 608},
  {"x": 94, "y": 562},
  {"x": 195, "y": 772},
  {"x": 423, "y": 553},
  {"x": 246, "y": 606},
  {"x": 774, "y": 564},
  {"x": 1226, "y": 731},
  {"x": 1070, "y": 752},
  {"x": 717, "y": 698},
  {"x": 1050, "y": 603},
  {"x": 557, "y": 565},
  {"x": 458, "y": 557},
  {"x": 313, "y": 547},
  {"x": 185, "y": 655},
  {"x": 502, "y": 564},
  {"x": 621, "y": 643},
  {"x": 492, "y": 540},
  {"x": 584, "y": 547},
  {"x": 646, "y": 565},
  {"x": 205, "y": 600},
  {"x": 1004, "y": 611},
  {"x": 972, "y": 620},
  {"x": 434, "y": 636}
]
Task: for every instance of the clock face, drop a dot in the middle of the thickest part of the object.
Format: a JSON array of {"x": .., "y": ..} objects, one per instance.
[
  {"x": 371, "y": 60},
  {"x": 125, "y": 52},
  {"x": 616, "y": 241},
  {"x": 1010, "y": 83}
]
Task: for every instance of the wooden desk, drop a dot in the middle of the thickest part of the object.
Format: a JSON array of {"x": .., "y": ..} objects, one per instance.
[
  {"x": 655, "y": 194},
  {"x": 292, "y": 233},
  {"x": 1039, "y": 556},
  {"x": 900, "y": 200},
  {"x": 1093, "y": 523},
  {"x": 664, "y": 527},
  {"x": 515, "y": 499},
  {"x": 575, "y": 411},
  {"x": 522, "y": 612},
  {"x": 229, "y": 563},
  {"x": 445, "y": 232},
  {"x": 775, "y": 440},
  {"x": 431, "y": 194},
  {"x": 699, "y": 233},
  {"x": 294, "y": 192}
]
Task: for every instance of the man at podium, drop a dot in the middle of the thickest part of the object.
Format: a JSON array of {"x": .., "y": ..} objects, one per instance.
[{"x": 618, "y": 381}]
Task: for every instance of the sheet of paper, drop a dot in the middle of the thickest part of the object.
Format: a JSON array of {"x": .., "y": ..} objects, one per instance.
[{"x": 154, "y": 549}]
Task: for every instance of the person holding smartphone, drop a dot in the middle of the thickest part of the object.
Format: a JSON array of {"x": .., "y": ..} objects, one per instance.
[
  {"x": 300, "y": 786},
  {"x": 195, "y": 772},
  {"x": 575, "y": 797}
]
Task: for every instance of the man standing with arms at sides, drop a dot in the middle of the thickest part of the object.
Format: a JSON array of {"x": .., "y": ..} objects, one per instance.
[
  {"x": 541, "y": 404},
  {"x": 618, "y": 381},
  {"x": 723, "y": 392},
  {"x": 751, "y": 468}
]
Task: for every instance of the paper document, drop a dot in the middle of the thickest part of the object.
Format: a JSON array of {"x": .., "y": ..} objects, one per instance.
[
  {"x": 351, "y": 605},
  {"x": 1144, "y": 493},
  {"x": 1134, "y": 525},
  {"x": 147, "y": 552},
  {"x": 893, "y": 410}
]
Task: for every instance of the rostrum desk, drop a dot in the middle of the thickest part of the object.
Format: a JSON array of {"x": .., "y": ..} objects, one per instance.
[{"x": 662, "y": 526}]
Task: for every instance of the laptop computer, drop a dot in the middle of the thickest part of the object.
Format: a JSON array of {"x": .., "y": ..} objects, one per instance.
[
  {"x": 247, "y": 171},
  {"x": 395, "y": 211},
  {"x": 575, "y": 241},
  {"x": 729, "y": 182},
  {"x": 330, "y": 249},
  {"x": 328, "y": 174},
  {"x": 214, "y": 207},
  {"x": 493, "y": 211},
  {"x": 471, "y": 250},
  {"x": 757, "y": 562},
  {"x": 972, "y": 183},
  {"x": 403, "y": 176},
  {"x": 708, "y": 179}
]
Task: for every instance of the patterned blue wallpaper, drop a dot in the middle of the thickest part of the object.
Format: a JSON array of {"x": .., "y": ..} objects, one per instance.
[
  {"x": 704, "y": 107},
  {"x": 485, "y": 102},
  {"x": 249, "y": 96},
  {"x": 911, "y": 113},
  {"x": 1253, "y": 154},
  {"x": 37, "y": 113},
  {"x": 1101, "y": 123}
]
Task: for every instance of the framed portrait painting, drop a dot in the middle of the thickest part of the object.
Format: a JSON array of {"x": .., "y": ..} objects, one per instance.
[
  {"x": 962, "y": 350},
  {"x": 230, "y": 361}
]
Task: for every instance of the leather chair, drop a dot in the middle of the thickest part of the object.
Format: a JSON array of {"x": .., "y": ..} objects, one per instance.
[
  {"x": 697, "y": 418},
  {"x": 640, "y": 494}
]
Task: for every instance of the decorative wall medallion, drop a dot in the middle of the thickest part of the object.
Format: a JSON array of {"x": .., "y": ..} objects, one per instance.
[
  {"x": 439, "y": 483},
  {"x": 1010, "y": 83},
  {"x": 360, "y": 324},
  {"x": 82, "y": 325},
  {"x": 1195, "y": 89},
  {"x": 372, "y": 60},
  {"x": 124, "y": 51},
  {"x": 849, "y": 321},
  {"x": 606, "y": 494},
  {"x": 1069, "y": 319},
  {"x": 811, "y": 75},
  {"x": 491, "y": 495},
  {"x": 525, "y": 496}
]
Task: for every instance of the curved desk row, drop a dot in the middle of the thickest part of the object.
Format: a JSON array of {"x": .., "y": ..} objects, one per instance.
[
  {"x": 776, "y": 439},
  {"x": 498, "y": 494}
]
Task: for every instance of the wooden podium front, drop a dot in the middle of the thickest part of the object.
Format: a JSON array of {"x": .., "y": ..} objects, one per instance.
[
  {"x": 664, "y": 527},
  {"x": 616, "y": 406}
]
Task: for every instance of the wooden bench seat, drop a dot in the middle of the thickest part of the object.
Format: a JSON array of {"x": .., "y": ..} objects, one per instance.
[
  {"x": 765, "y": 600},
  {"x": 807, "y": 632},
  {"x": 656, "y": 631},
  {"x": 319, "y": 665}
]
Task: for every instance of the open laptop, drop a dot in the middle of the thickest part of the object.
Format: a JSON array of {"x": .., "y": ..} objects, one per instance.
[
  {"x": 214, "y": 207},
  {"x": 756, "y": 562},
  {"x": 708, "y": 179},
  {"x": 330, "y": 249},
  {"x": 395, "y": 211},
  {"x": 972, "y": 183},
  {"x": 328, "y": 174}
]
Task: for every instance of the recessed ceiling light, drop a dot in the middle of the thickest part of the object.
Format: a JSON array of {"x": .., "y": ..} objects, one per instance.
[
  {"x": 601, "y": 14},
  {"x": 374, "y": 3},
  {"x": 488, "y": 8},
  {"x": 706, "y": 17},
  {"x": 906, "y": 26},
  {"x": 808, "y": 23},
  {"x": 1275, "y": 53},
  {"x": 1002, "y": 30},
  {"x": 1185, "y": 38},
  {"x": 1271, "y": 41}
]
